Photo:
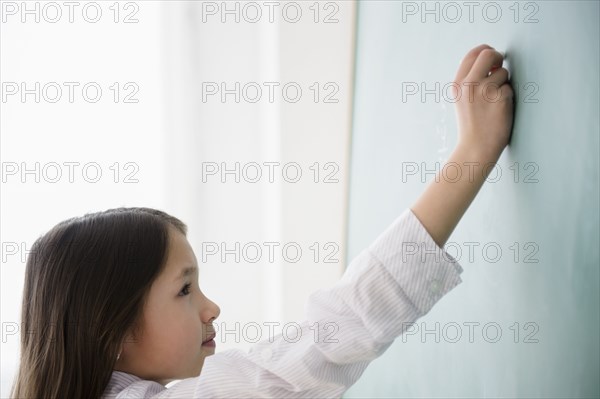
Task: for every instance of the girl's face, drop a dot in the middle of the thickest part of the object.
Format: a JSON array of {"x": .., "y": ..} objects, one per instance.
[{"x": 177, "y": 319}]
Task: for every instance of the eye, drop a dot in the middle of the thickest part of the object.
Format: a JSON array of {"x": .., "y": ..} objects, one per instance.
[{"x": 185, "y": 290}]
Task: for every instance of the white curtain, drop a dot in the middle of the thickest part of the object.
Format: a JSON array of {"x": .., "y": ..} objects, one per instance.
[{"x": 206, "y": 50}]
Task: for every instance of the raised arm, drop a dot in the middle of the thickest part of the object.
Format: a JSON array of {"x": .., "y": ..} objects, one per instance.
[{"x": 485, "y": 116}]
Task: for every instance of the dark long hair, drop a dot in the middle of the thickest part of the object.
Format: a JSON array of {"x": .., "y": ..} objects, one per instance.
[{"x": 86, "y": 283}]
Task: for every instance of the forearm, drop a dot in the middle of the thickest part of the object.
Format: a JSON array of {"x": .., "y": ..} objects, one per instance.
[{"x": 444, "y": 202}]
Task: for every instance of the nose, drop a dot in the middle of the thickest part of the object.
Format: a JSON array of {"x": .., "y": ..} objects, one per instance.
[{"x": 210, "y": 311}]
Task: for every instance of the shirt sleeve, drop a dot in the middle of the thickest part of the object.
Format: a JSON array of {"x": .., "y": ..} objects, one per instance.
[{"x": 385, "y": 289}]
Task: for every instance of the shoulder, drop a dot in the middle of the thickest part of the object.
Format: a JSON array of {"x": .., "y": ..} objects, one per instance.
[{"x": 125, "y": 385}]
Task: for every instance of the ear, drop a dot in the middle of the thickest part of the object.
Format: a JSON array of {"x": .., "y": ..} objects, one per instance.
[{"x": 132, "y": 336}]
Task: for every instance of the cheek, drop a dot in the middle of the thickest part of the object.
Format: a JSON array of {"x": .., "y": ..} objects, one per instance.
[
  {"x": 174, "y": 323},
  {"x": 180, "y": 329},
  {"x": 174, "y": 340}
]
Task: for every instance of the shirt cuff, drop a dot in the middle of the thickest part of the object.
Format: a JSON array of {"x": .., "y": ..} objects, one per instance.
[{"x": 423, "y": 270}]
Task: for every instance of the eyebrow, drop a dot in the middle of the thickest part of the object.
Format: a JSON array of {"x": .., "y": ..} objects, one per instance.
[{"x": 186, "y": 272}]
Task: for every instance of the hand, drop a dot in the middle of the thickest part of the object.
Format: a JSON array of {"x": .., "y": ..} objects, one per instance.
[{"x": 484, "y": 105}]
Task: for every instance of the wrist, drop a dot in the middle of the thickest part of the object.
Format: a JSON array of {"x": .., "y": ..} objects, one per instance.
[{"x": 478, "y": 153}]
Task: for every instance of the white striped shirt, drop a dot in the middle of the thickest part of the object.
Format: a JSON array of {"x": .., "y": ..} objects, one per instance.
[{"x": 386, "y": 288}]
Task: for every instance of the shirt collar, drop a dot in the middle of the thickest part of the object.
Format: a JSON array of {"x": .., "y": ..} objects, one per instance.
[{"x": 120, "y": 380}]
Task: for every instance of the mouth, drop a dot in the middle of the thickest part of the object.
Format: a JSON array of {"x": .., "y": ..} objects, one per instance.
[{"x": 209, "y": 339}]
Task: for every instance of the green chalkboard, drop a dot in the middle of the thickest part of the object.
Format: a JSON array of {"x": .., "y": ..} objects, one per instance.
[{"x": 529, "y": 243}]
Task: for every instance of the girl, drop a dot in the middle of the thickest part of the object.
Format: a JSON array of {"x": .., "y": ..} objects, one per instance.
[{"x": 112, "y": 307}]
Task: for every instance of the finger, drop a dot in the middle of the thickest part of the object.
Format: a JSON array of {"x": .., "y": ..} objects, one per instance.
[
  {"x": 467, "y": 62},
  {"x": 484, "y": 63},
  {"x": 494, "y": 93},
  {"x": 498, "y": 76},
  {"x": 507, "y": 92}
]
